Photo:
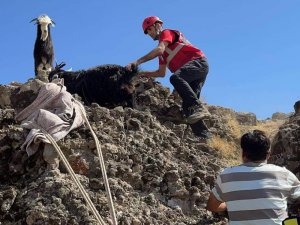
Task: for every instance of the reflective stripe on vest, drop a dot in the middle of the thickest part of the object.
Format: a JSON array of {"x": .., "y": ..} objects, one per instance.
[{"x": 179, "y": 46}]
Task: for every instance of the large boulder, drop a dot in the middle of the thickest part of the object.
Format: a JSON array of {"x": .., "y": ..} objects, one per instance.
[
  {"x": 286, "y": 145},
  {"x": 280, "y": 116},
  {"x": 246, "y": 118}
]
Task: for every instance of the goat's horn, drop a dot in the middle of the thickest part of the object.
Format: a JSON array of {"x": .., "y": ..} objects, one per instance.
[{"x": 35, "y": 19}]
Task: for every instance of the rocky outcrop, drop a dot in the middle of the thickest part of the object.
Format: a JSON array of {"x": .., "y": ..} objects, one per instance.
[
  {"x": 159, "y": 171},
  {"x": 246, "y": 119},
  {"x": 286, "y": 145},
  {"x": 280, "y": 116}
]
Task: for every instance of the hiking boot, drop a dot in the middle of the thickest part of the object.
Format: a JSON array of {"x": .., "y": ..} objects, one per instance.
[
  {"x": 197, "y": 113},
  {"x": 201, "y": 130}
]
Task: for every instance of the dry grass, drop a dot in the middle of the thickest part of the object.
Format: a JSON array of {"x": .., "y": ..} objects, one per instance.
[
  {"x": 234, "y": 127},
  {"x": 270, "y": 127},
  {"x": 229, "y": 150}
]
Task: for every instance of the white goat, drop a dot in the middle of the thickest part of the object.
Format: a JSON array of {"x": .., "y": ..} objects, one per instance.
[{"x": 43, "y": 47}]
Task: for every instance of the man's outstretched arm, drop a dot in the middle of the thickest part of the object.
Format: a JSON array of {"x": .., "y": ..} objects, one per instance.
[{"x": 151, "y": 55}]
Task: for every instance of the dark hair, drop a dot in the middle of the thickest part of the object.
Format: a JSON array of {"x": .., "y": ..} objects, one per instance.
[
  {"x": 255, "y": 145},
  {"x": 297, "y": 106}
]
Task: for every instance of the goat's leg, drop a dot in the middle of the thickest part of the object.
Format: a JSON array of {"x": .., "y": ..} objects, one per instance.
[{"x": 42, "y": 74}]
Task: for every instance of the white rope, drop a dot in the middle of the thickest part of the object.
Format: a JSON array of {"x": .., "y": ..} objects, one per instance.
[
  {"x": 102, "y": 166},
  {"x": 73, "y": 175}
]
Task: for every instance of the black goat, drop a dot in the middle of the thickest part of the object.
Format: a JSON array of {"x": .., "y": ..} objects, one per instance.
[
  {"x": 108, "y": 85},
  {"x": 43, "y": 47}
]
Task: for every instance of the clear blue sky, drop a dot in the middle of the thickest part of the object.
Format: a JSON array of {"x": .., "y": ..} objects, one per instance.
[{"x": 252, "y": 46}]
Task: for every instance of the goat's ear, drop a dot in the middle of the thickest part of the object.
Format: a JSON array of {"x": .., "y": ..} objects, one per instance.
[
  {"x": 61, "y": 65},
  {"x": 35, "y": 19},
  {"x": 53, "y": 23}
]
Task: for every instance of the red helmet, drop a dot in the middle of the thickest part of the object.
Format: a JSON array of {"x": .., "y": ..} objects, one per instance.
[{"x": 149, "y": 21}]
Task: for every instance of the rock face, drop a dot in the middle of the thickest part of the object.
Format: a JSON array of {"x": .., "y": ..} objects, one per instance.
[
  {"x": 286, "y": 145},
  {"x": 159, "y": 172}
]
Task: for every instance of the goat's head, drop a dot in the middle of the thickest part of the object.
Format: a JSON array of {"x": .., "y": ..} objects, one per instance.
[
  {"x": 43, "y": 22},
  {"x": 127, "y": 81}
]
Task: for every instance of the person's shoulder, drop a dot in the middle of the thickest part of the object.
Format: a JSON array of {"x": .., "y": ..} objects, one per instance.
[
  {"x": 167, "y": 31},
  {"x": 232, "y": 169},
  {"x": 167, "y": 35},
  {"x": 276, "y": 167},
  {"x": 171, "y": 31}
]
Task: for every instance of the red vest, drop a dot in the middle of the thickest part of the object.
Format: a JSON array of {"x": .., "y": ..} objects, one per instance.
[{"x": 179, "y": 51}]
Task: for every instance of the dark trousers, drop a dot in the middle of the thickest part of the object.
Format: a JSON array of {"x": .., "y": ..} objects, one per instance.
[{"x": 189, "y": 80}]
